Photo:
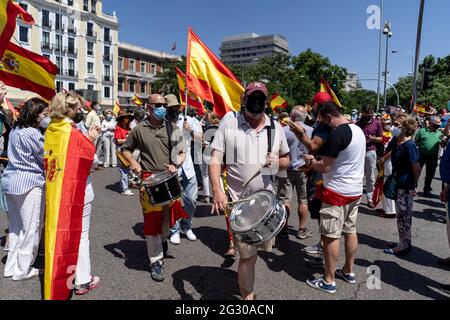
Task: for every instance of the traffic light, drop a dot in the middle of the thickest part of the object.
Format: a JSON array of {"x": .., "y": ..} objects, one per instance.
[
  {"x": 334, "y": 85},
  {"x": 428, "y": 79}
]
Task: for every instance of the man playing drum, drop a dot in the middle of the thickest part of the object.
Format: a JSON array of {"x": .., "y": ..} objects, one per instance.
[
  {"x": 251, "y": 141},
  {"x": 161, "y": 148}
]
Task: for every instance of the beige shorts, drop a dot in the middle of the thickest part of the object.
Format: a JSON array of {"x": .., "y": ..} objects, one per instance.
[
  {"x": 247, "y": 251},
  {"x": 298, "y": 182},
  {"x": 284, "y": 190},
  {"x": 337, "y": 220}
]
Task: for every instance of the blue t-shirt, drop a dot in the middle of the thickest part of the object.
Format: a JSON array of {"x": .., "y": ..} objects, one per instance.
[
  {"x": 445, "y": 166},
  {"x": 444, "y": 121},
  {"x": 403, "y": 157}
]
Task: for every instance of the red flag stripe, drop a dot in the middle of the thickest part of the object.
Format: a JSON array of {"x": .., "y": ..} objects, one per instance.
[
  {"x": 20, "y": 82},
  {"x": 45, "y": 63}
]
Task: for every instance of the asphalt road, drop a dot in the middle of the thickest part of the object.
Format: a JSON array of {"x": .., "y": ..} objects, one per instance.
[{"x": 199, "y": 271}]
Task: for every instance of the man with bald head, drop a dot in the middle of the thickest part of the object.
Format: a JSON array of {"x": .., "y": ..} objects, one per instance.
[
  {"x": 295, "y": 177},
  {"x": 161, "y": 147}
]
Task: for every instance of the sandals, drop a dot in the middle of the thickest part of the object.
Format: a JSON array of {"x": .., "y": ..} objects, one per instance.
[
  {"x": 86, "y": 288},
  {"x": 231, "y": 253}
]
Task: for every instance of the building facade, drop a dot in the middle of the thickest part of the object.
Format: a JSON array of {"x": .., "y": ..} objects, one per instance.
[
  {"x": 138, "y": 69},
  {"x": 352, "y": 82},
  {"x": 248, "y": 48},
  {"x": 80, "y": 39}
]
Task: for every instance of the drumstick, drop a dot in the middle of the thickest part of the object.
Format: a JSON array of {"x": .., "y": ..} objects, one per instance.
[
  {"x": 239, "y": 201},
  {"x": 4, "y": 159}
]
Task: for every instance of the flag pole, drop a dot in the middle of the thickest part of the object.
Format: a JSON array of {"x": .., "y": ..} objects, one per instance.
[{"x": 185, "y": 101}]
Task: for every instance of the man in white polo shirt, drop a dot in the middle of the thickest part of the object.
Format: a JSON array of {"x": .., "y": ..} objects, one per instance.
[
  {"x": 342, "y": 164},
  {"x": 245, "y": 141}
]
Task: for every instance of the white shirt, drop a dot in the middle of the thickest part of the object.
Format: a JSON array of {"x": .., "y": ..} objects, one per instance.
[
  {"x": 92, "y": 119},
  {"x": 108, "y": 127},
  {"x": 188, "y": 165}
]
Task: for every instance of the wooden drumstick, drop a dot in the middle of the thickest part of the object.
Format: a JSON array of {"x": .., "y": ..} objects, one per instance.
[{"x": 4, "y": 159}]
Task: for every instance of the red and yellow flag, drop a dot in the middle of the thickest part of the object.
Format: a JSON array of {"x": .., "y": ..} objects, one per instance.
[
  {"x": 9, "y": 11},
  {"x": 210, "y": 78},
  {"x": 277, "y": 103},
  {"x": 68, "y": 159},
  {"x": 7, "y": 105},
  {"x": 137, "y": 101},
  {"x": 193, "y": 99},
  {"x": 325, "y": 87},
  {"x": 117, "y": 108},
  {"x": 27, "y": 70}
]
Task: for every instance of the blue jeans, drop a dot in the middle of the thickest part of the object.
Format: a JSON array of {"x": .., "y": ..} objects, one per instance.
[
  {"x": 124, "y": 178},
  {"x": 190, "y": 190}
]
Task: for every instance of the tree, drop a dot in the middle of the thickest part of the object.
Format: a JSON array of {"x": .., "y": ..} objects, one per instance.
[
  {"x": 167, "y": 82},
  {"x": 358, "y": 98}
]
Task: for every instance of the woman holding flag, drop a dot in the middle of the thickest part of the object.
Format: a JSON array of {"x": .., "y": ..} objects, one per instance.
[{"x": 69, "y": 158}]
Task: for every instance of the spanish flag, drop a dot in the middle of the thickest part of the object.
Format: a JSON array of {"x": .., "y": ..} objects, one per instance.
[
  {"x": 27, "y": 70},
  {"x": 117, "y": 108},
  {"x": 325, "y": 87},
  {"x": 68, "y": 158},
  {"x": 137, "y": 101},
  {"x": 277, "y": 103},
  {"x": 193, "y": 99},
  {"x": 9, "y": 11},
  {"x": 7, "y": 105},
  {"x": 210, "y": 78}
]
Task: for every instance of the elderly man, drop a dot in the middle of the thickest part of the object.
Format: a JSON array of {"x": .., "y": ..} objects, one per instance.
[
  {"x": 295, "y": 177},
  {"x": 248, "y": 139},
  {"x": 191, "y": 131},
  {"x": 161, "y": 148},
  {"x": 342, "y": 165}
]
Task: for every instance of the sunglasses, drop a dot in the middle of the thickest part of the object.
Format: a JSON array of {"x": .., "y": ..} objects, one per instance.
[{"x": 159, "y": 105}]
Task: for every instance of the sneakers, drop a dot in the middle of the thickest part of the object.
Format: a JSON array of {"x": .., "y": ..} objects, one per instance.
[
  {"x": 315, "y": 249},
  {"x": 190, "y": 235},
  {"x": 320, "y": 284},
  {"x": 128, "y": 193},
  {"x": 175, "y": 238},
  {"x": 157, "y": 271},
  {"x": 85, "y": 288},
  {"x": 349, "y": 278},
  {"x": 304, "y": 233}
]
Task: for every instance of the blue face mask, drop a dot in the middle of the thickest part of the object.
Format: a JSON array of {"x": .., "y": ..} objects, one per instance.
[{"x": 159, "y": 113}]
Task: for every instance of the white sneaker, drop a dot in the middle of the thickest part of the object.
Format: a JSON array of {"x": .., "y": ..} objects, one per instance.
[
  {"x": 315, "y": 249},
  {"x": 190, "y": 235},
  {"x": 175, "y": 238},
  {"x": 128, "y": 193}
]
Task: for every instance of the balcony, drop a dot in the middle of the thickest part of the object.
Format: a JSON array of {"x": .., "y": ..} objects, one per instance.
[
  {"x": 58, "y": 48},
  {"x": 46, "y": 46},
  {"x": 107, "y": 57},
  {"x": 71, "y": 73},
  {"x": 60, "y": 27},
  {"x": 91, "y": 34},
  {"x": 71, "y": 50},
  {"x": 107, "y": 78},
  {"x": 46, "y": 24},
  {"x": 72, "y": 30},
  {"x": 107, "y": 39}
]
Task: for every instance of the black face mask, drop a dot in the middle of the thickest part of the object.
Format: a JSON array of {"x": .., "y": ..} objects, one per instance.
[
  {"x": 255, "y": 105},
  {"x": 172, "y": 114}
]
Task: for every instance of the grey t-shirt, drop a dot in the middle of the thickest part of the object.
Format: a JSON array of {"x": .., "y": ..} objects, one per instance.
[{"x": 246, "y": 152}]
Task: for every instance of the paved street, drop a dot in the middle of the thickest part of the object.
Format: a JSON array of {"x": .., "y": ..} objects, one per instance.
[{"x": 199, "y": 271}]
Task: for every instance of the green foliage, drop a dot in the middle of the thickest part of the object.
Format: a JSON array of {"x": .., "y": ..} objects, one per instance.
[{"x": 359, "y": 98}]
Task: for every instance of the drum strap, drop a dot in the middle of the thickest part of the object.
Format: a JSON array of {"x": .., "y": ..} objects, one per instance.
[
  {"x": 169, "y": 129},
  {"x": 270, "y": 138}
]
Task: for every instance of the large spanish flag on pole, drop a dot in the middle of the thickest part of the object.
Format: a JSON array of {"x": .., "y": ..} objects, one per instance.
[
  {"x": 193, "y": 99},
  {"x": 68, "y": 159},
  {"x": 137, "y": 101},
  {"x": 325, "y": 87},
  {"x": 9, "y": 11},
  {"x": 27, "y": 70},
  {"x": 210, "y": 78}
]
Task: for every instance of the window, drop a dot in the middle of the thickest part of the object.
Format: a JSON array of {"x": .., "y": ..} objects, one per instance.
[
  {"x": 46, "y": 56},
  {"x": 90, "y": 87},
  {"x": 90, "y": 67},
  {"x": 59, "y": 65},
  {"x": 72, "y": 67},
  {"x": 121, "y": 63},
  {"x": 132, "y": 86},
  {"x": 107, "y": 92},
  {"x": 90, "y": 48},
  {"x": 58, "y": 42},
  {"x": 132, "y": 65},
  {"x": 120, "y": 85},
  {"x": 107, "y": 53},
  {"x": 93, "y": 6},
  {"x": 23, "y": 34},
  {"x": 70, "y": 3},
  {"x": 59, "y": 86},
  {"x": 45, "y": 18},
  {"x": 71, "y": 43},
  {"x": 143, "y": 67},
  {"x": 107, "y": 35},
  {"x": 90, "y": 29},
  {"x": 46, "y": 40},
  {"x": 86, "y": 5},
  {"x": 57, "y": 21},
  {"x": 153, "y": 69},
  {"x": 107, "y": 73},
  {"x": 71, "y": 86},
  {"x": 143, "y": 87}
]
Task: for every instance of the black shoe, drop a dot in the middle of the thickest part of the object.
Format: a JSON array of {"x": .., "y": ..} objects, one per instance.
[
  {"x": 157, "y": 271},
  {"x": 284, "y": 234},
  {"x": 445, "y": 288},
  {"x": 444, "y": 262},
  {"x": 392, "y": 245},
  {"x": 427, "y": 194}
]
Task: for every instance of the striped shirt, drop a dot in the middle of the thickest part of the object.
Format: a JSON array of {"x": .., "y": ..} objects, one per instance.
[{"x": 25, "y": 169}]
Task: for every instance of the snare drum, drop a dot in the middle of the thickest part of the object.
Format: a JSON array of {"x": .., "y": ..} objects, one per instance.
[
  {"x": 163, "y": 188},
  {"x": 258, "y": 220}
]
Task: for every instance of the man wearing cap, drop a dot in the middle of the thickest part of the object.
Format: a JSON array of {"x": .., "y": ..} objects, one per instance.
[
  {"x": 246, "y": 141},
  {"x": 191, "y": 131},
  {"x": 314, "y": 145},
  {"x": 374, "y": 135},
  {"x": 428, "y": 141},
  {"x": 154, "y": 138}
]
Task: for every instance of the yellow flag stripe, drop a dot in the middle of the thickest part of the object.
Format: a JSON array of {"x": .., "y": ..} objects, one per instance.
[{"x": 3, "y": 15}]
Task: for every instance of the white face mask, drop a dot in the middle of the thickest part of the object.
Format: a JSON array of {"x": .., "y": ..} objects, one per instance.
[
  {"x": 45, "y": 122},
  {"x": 396, "y": 132}
]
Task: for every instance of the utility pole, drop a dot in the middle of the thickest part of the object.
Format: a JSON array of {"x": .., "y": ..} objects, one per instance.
[
  {"x": 379, "y": 56},
  {"x": 418, "y": 42},
  {"x": 388, "y": 32}
]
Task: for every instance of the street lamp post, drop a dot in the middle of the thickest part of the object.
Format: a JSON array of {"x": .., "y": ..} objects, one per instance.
[
  {"x": 387, "y": 31},
  {"x": 417, "y": 58},
  {"x": 412, "y": 58},
  {"x": 379, "y": 57}
]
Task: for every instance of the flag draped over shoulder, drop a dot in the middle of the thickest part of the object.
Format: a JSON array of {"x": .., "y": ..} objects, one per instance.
[
  {"x": 137, "y": 101},
  {"x": 210, "y": 78},
  {"x": 325, "y": 87},
  {"x": 27, "y": 70},
  {"x": 277, "y": 103},
  {"x": 68, "y": 159},
  {"x": 9, "y": 11},
  {"x": 193, "y": 99}
]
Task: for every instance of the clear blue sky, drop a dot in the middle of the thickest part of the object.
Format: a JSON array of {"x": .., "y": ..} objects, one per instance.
[{"x": 336, "y": 29}]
